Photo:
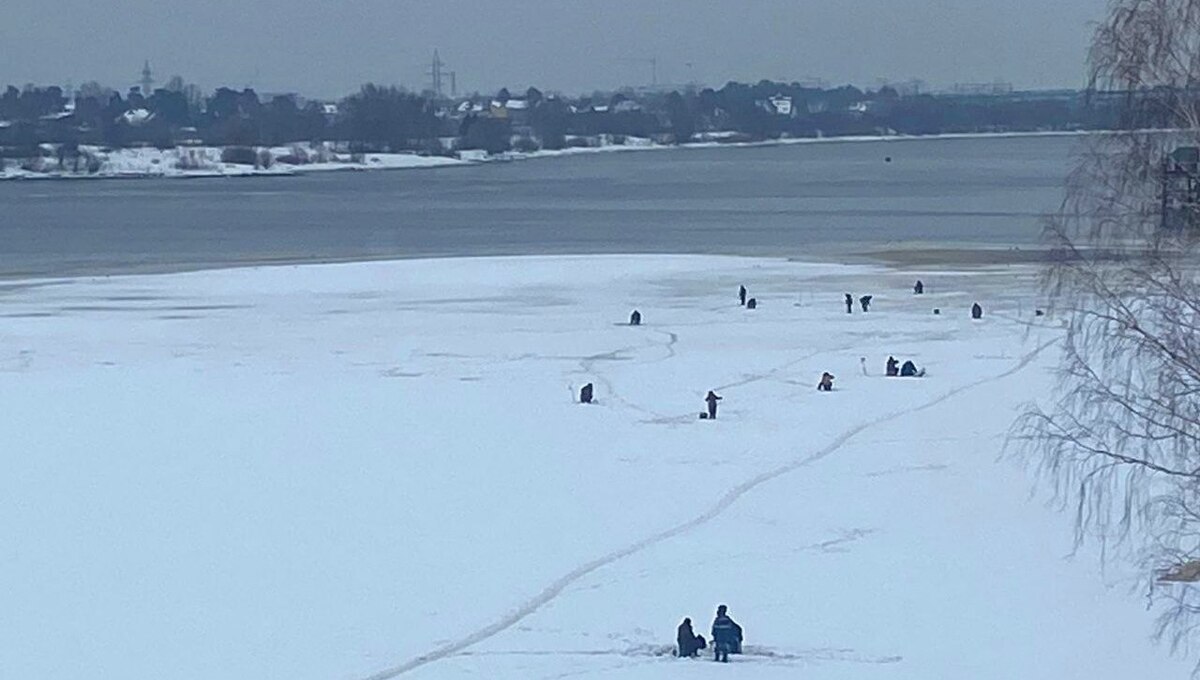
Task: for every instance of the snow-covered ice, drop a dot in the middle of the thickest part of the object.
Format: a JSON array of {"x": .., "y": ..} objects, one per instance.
[{"x": 378, "y": 469}]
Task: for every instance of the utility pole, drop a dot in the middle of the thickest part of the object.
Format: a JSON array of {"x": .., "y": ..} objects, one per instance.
[{"x": 454, "y": 84}]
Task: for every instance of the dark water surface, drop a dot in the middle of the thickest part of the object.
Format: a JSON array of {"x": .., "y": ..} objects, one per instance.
[{"x": 799, "y": 200}]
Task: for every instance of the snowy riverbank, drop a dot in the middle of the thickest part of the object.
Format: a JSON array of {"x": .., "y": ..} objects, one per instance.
[
  {"x": 192, "y": 162},
  {"x": 202, "y": 161},
  {"x": 332, "y": 471}
]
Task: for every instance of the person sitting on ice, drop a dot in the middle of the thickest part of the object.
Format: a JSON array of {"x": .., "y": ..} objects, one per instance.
[
  {"x": 742, "y": 295},
  {"x": 976, "y": 311},
  {"x": 635, "y": 319},
  {"x": 909, "y": 370},
  {"x": 849, "y": 303},
  {"x": 865, "y": 301},
  {"x": 893, "y": 367},
  {"x": 919, "y": 289},
  {"x": 711, "y": 399},
  {"x": 585, "y": 394},
  {"x": 826, "y": 384},
  {"x": 689, "y": 643},
  {"x": 726, "y": 636},
  {"x": 752, "y": 303}
]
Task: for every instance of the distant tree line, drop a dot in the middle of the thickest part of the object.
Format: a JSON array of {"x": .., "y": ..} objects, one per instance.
[{"x": 382, "y": 118}]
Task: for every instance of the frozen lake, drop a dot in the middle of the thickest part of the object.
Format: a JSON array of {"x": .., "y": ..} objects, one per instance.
[
  {"x": 378, "y": 470},
  {"x": 800, "y": 200}
]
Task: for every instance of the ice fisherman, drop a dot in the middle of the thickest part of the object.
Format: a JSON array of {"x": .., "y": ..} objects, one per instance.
[
  {"x": 635, "y": 319},
  {"x": 865, "y": 301},
  {"x": 726, "y": 636},
  {"x": 711, "y": 399},
  {"x": 585, "y": 394},
  {"x": 741, "y": 295},
  {"x": 849, "y": 303},
  {"x": 826, "y": 384},
  {"x": 689, "y": 643},
  {"x": 976, "y": 311},
  {"x": 893, "y": 367},
  {"x": 919, "y": 289},
  {"x": 752, "y": 303}
]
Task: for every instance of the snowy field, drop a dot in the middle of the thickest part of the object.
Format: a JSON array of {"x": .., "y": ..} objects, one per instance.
[
  {"x": 205, "y": 161},
  {"x": 378, "y": 470}
]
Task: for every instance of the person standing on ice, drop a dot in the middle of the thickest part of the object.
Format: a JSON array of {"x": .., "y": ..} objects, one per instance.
[
  {"x": 849, "y": 303},
  {"x": 865, "y": 301},
  {"x": 726, "y": 636},
  {"x": 742, "y": 295},
  {"x": 712, "y": 400},
  {"x": 689, "y": 643}
]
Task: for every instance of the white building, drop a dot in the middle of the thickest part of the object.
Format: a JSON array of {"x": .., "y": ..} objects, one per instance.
[{"x": 782, "y": 105}]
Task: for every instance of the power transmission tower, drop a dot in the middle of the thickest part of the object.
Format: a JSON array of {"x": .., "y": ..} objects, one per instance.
[
  {"x": 435, "y": 74},
  {"x": 147, "y": 81}
]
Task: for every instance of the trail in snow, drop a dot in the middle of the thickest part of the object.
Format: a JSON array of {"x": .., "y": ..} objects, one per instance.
[
  {"x": 587, "y": 365},
  {"x": 751, "y": 653},
  {"x": 556, "y": 588},
  {"x": 756, "y": 377}
]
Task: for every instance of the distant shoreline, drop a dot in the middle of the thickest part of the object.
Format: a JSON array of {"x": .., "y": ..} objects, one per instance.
[{"x": 144, "y": 163}]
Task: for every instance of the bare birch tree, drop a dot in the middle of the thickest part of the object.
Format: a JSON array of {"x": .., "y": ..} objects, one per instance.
[{"x": 1121, "y": 440}]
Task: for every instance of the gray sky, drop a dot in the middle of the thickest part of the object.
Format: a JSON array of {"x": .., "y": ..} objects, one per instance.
[{"x": 329, "y": 47}]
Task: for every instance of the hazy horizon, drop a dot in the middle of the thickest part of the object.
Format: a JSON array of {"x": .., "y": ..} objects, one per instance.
[{"x": 323, "y": 50}]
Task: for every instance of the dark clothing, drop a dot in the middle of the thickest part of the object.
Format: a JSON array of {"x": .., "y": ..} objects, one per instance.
[
  {"x": 752, "y": 303},
  {"x": 976, "y": 311},
  {"x": 712, "y": 400},
  {"x": 741, "y": 295},
  {"x": 865, "y": 301},
  {"x": 727, "y": 638},
  {"x": 585, "y": 394},
  {"x": 721, "y": 652},
  {"x": 826, "y": 384},
  {"x": 919, "y": 289},
  {"x": 893, "y": 369},
  {"x": 849, "y": 303},
  {"x": 908, "y": 370},
  {"x": 635, "y": 319},
  {"x": 689, "y": 643}
]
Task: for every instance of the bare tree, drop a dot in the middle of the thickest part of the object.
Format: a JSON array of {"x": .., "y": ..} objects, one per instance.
[{"x": 1121, "y": 441}]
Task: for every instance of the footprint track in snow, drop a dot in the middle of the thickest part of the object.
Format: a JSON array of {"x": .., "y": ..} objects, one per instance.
[{"x": 557, "y": 587}]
